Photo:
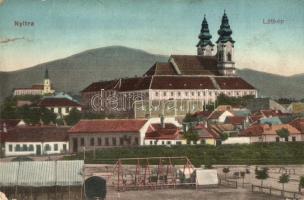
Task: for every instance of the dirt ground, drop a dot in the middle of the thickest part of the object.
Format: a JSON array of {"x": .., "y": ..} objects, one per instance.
[{"x": 205, "y": 194}]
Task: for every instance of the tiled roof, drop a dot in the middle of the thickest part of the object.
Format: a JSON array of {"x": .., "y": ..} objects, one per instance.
[
  {"x": 298, "y": 124},
  {"x": 10, "y": 123},
  {"x": 235, "y": 120},
  {"x": 233, "y": 83},
  {"x": 169, "y": 132},
  {"x": 196, "y": 65},
  {"x": 181, "y": 82},
  {"x": 265, "y": 129},
  {"x": 161, "y": 69},
  {"x": 97, "y": 86},
  {"x": 37, "y": 134},
  {"x": 205, "y": 132},
  {"x": 58, "y": 102},
  {"x": 108, "y": 126},
  {"x": 38, "y": 87},
  {"x": 140, "y": 83}
]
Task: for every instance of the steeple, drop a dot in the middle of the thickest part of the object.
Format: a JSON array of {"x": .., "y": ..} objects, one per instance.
[
  {"x": 225, "y": 30},
  {"x": 225, "y": 48},
  {"x": 205, "y": 46},
  {"x": 46, "y": 74}
]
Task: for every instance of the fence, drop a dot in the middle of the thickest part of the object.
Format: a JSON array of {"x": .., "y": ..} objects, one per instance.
[
  {"x": 277, "y": 192},
  {"x": 228, "y": 183}
]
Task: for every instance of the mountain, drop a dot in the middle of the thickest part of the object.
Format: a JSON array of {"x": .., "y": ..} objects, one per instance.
[{"x": 74, "y": 73}]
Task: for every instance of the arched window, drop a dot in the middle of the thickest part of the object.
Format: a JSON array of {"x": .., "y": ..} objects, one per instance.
[
  {"x": 229, "y": 56},
  {"x": 220, "y": 56}
]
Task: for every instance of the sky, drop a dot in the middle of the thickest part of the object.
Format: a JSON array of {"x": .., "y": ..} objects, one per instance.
[{"x": 64, "y": 27}]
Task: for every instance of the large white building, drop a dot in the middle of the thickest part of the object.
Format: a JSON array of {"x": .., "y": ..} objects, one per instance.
[
  {"x": 199, "y": 77},
  {"x": 40, "y": 89}
]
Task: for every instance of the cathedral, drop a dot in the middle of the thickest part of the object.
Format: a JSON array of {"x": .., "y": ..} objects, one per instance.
[{"x": 199, "y": 77}]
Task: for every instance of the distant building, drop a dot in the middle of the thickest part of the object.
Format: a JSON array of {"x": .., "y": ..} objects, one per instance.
[
  {"x": 60, "y": 106},
  {"x": 43, "y": 89},
  {"x": 200, "y": 77},
  {"x": 258, "y": 104},
  {"x": 36, "y": 140}
]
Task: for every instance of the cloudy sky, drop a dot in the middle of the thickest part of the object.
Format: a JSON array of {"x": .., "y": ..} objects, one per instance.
[{"x": 65, "y": 27}]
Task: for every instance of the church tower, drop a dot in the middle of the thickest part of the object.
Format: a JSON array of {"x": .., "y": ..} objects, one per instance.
[
  {"x": 204, "y": 46},
  {"x": 47, "y": 83},
  {"x": 225, "y": 48}
]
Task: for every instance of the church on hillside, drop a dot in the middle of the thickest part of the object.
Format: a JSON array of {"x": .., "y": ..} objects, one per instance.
[
  {"x": 200, "y": 77},
  {"x": 40, "y": 89}
]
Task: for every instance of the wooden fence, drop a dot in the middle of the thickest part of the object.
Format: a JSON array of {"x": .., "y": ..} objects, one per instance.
[{"x": 276, "y": 192}]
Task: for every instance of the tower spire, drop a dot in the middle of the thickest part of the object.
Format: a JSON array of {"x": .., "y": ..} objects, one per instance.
[
  {"x": 205, "y": 46},
  {"x": 225, "y": 30}
]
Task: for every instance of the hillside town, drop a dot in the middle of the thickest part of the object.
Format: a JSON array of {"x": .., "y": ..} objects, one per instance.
[{"x": 190, "y": 101}]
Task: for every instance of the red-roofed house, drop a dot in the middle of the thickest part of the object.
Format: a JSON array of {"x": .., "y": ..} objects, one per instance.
[
  {"x": 107, "y": 133},
  {"x": 298, "y": 124},
  {"x": 60, "y": 106},
  {"x": 36, "y": 140},
  {"x": 268, "y": 133}
]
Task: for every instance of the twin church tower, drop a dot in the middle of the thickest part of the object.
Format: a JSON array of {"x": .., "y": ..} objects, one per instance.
[{"x": 225, "y": 46}]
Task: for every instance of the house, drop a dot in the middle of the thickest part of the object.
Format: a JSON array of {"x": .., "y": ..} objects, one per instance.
[
  {"x": 61, "y": 106},
  {"x": 219, "y": 116},
  {"x": 240, "y": 122},
  {"x": 164, "y": 134},
  {"x": 206, "y": 135},
  {"x": 202, "y": 77},
  {"x": 268, "y": 133},
  {"x": 298, "y": 124},
  {"x": 36, "y": 140},
  {"x": 296, "y": 107},
  {"x": 99, "y": 133}
]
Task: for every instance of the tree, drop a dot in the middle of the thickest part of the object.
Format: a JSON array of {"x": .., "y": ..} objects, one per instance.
[
  {"x": 29, "y": 115},
  {"x": 191, "y": 135},
  {"x": 47, "y": 116},
  {"x": 283, "y": 133},
  {"x": 224, "y": 136},
  {"x": 73, "y": 117},
  {"x": 284, "y": 178},
  {"x": 226, "y": 170},
  {"x": 301, "y": 183},
  {"x": 261, "y": 174}
]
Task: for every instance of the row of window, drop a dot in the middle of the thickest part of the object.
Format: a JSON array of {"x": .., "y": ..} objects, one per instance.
[
  {"x": 66, "y": 110},
  {"x": 201, "y": 93},
  {"x": 25, "y": 147},
  {"x": 106, "y": 142}
]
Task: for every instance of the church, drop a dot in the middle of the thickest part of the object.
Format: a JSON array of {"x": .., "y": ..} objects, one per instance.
[
  {"x": 199, "y": 77},
  {"x": 40, "y": 89}
]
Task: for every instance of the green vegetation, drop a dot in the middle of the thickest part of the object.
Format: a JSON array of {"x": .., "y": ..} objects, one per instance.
[
  {"x": 283, "y": 132},
  {"x": 284, "y": 178},
  {"x": 248, "y": 154},
  {"x": 73, "y": 117},
  {"x": 262, "y": 174},
  {"x": 222, "y": 99},
  {"x": 301, "y": 183},
  {"x": 226, "y": 170}
]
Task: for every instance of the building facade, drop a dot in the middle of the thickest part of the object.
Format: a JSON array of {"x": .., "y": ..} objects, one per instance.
[{"x": 60, "y": 106}]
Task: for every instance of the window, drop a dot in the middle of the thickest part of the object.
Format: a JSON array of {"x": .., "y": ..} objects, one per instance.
[
  {"x": 114, "y": 141},
  {"x": 204, "y": 93},
  {"x": 172, "y": 94},
  {"x": 277, "y": 139},
  {"x": 156, "y": 94},
  {"x": 151, "y": 142},
  {"x": 229, "y": 56},
  {"x": 186, "y": 93},
  {"x": 107, "y": 141},
  {"x": 136, "y": 140},
  {"x": 198, "y": 93},
  {"x": 64, "y": 146},
  {"x": 31, "y": 147},
  {"x": 286, "y": 139},
  {"x": 24, "y": 147},
  {"x": 67, "y": 109},
  {"x": 192, "y": 93},
  {"x": 210, "y": 93},
  {"x": 155, "y": 142},
  {"x": 55, "y": 147},
  {"x": 179, "y": 143},
  {"x": 81, "y": 141},
  {"x": 165, "y": 93},
  {"x": 92, "y": 142},
  {"x": 178, "y": 94},
  {"x": 47, "y": 147},
  {"x": 59, "y": 110},
  {"x": 17, "y": 148},
  {"x": 221, "y": 55},
  {"x": 168, "y": 142},
  {"x": 99, "y": 141},
  {"x": 294, "y": 139},
  {"x": 121, "y": 141},
  {"x": 163, "y": 142},
  {"x": 10, "y": 148}
]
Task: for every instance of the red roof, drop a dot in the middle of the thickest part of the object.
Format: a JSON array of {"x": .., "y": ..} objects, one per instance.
[
  {"x": 58, "y": 102},
  {"x": 157, "y": 132},
  {"x": 265, "y": 129},
  {"x": 206, "y": 132},
  {"x": 233, "y": 83},
  {"x": 37, "y": 134},
  {"x": 298, "y": 124},
  {"x": 108, "y": 126},
  {"x": 9, "y": 123},
  {"x": 196, "y": 65},
  {"x": 235, "y": 120},
  {"x": 161, "y": 69}
]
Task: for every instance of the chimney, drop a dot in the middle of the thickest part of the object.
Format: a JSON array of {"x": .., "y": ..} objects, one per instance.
[{"x": 162, "y": 121}]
